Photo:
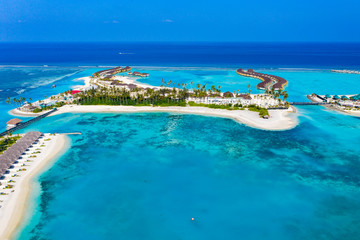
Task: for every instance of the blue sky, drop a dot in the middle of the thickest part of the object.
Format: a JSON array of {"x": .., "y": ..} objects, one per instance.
[{"x": 185, "y": 20}]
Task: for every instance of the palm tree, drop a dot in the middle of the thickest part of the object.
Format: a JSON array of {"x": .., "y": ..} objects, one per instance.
[
  {"x": 285, "y": 95},
  {"x": 15, "y": 101}
]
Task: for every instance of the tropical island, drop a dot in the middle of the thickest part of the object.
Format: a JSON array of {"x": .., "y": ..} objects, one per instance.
[
  {"x": 116, "y": 91},
  {"x": 107, "y": 91}
]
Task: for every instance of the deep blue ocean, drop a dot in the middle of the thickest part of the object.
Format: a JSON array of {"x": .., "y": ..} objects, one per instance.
[
  {"x": 269, "y": 55},
  {"x": 145, "y": 175}
]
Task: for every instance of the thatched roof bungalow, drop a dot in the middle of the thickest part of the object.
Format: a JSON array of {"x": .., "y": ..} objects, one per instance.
[{"x": 12, "y": 154}]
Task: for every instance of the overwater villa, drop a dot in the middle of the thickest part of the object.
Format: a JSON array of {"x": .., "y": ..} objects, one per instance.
[
  {"x": 139, "y": 74},
  {"x": 267, "y": 81},
  {"x": 108, "y": 73},
  {"x": 345, "y": 102}
]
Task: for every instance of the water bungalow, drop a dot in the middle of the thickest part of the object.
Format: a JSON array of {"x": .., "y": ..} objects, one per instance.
[
  {"x": 139, "y": 74},
  {"x": 345, "y": 102},
  {"x": 267, "y": 81},
  {"x": 108, "y": 73}
]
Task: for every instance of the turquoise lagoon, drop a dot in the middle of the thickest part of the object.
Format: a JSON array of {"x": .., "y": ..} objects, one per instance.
[{"x": 144, "y": 176}]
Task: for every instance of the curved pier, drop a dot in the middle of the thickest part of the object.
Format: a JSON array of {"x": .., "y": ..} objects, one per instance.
[{"x": 267, "y": 81}]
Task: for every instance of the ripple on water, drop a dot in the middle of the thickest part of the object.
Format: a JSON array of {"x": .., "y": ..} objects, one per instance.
[{"x": 155, "y": 171}]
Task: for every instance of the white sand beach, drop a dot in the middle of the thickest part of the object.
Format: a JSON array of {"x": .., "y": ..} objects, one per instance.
[
  {"x": 86, "y": 81},
  {"x": 279, "y": 119},
  {"x": 354, "y": 113},
  {"x": 15, "y": 201},
  {"x": 16, "y": 112}
]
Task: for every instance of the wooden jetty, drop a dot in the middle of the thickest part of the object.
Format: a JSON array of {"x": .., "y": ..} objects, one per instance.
[{"x": 27, "y": 123}]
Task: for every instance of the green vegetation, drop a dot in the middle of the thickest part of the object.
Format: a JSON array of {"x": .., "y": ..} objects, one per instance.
[
  {"x": 262, "y": 111},
  {"x": 6, "y": 142},
  {"x": 217, "y": 106},
  {"x": 57, "y": 105},
  {"x": 115, "y": 96},
  {"x": 179, "y": 104},
  {"x": 276, "y": 94}
]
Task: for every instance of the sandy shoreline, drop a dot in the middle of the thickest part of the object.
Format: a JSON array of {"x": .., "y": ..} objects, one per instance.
[
  {"x": 16, "y": 112},
  {"x": 16, "y": 203},
  {"x": 346, "y": 112},
  {"x": 280, "y": 119}
]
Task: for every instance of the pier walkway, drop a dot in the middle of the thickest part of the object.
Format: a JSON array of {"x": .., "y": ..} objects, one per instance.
[
  {"x": 308, "y": 103},
  {"x": 267, "y": 81},
  {"x": 27, "y": 123}
]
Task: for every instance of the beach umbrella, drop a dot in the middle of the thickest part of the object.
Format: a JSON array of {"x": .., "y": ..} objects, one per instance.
[
  {"x": 344, "y": 97},
  {"x": 327, "y": 96},
  {"x": 336, "y": 97}
]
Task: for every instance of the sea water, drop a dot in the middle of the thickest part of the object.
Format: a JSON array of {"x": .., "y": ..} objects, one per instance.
[{"x": 146, "y": 175}]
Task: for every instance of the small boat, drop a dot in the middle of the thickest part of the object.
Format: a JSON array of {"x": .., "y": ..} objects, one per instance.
[{"x": 53, "y": 86}]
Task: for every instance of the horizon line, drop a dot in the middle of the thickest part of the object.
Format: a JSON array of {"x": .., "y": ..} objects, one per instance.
[{"x": 202, "y": 41}]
